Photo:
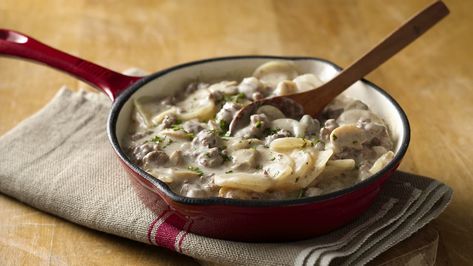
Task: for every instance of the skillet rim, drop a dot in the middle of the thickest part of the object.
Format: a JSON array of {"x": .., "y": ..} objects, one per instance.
[{"x": 128, "y": 92}]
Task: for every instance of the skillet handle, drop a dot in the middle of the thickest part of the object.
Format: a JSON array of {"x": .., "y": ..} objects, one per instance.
[{"x": 16, "y": 44}]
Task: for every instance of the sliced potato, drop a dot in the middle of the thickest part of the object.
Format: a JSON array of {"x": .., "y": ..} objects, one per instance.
[
  {"x": 203, "y": 113},
  {"x": 144, "y": 113},
  {"x": 163, "y": 177},
  {"x": 336, "y": 167},
  {"x": 346, "y": 164},
  {"x": 197, "y": 106},
  {"x": 177, "y": 134},
  {"x": 226, "y": 192},
  {"x": 381, "y": 162},
  {"x": 273, "y": 72},
  {"x": 280, "y": 168},
  {"x": 303, "y": 162},
  {"x": 237, "y": 144},
  {"x": 182, "y": 174},
  {"x": 286, "y": 144},
  {"x": 278, "y": 172},
  {"x": 226, "y": 87},
  {"x": 170, "y": 175},
  {"x": 247, "y": 181},
  {"x": 321, "y": 159},
  {"x": 159, "y": 117},
  {"x": 349, "y": 136}
]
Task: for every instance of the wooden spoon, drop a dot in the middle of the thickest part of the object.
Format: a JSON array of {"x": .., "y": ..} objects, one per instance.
[{"x": 313, "y": 101}]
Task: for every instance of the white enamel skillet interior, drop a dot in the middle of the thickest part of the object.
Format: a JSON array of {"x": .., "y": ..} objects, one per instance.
[{"x": 174, "y": 79}]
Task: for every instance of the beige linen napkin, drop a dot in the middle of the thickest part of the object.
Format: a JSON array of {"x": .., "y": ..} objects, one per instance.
[{"x": 60, "y": 161}]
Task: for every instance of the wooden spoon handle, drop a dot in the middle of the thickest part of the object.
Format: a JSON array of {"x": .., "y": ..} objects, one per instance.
[{"x": 315, "y": 100}]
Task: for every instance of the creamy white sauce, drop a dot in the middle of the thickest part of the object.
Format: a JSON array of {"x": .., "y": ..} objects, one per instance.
[{"x": 182, "y": 140}]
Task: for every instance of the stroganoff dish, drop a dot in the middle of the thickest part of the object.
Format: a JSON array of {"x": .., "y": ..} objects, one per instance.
[{"x": 183, "y": 141}]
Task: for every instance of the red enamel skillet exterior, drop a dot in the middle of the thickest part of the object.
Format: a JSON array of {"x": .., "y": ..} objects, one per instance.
[{"x": 242, "y": 220}]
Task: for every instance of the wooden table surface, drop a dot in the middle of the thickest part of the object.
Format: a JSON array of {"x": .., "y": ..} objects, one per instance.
[{"x": 432, "y": 79}]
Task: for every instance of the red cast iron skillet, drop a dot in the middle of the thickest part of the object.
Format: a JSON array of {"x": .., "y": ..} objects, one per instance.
[{"x": 232, "y": 219}]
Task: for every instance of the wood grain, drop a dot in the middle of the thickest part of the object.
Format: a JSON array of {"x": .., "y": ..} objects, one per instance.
[
  {"x": 432, "y": 79},
  {"x": 314, "y": 101}
]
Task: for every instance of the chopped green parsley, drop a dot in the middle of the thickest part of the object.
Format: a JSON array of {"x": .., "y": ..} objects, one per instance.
[
  {"x": 235, "y": 98},
  {"x": 157, "y": 139},
  {"x": 223, "y": 126},
  {"x": 258, "y": 124},
  {"x": 190, "y": 135},
  {"x": 177, "y": 127},
  {"x": 170, "y": 141},
  {"x": 270, "y": 131},
  {"x": 196, "y": 169}
]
